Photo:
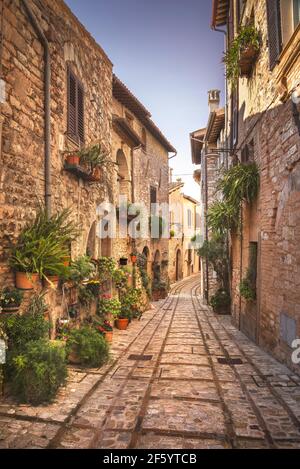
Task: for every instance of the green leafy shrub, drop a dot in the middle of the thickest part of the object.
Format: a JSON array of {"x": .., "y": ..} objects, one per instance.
[
  {"x": 81, "y": 269},
  {"x": 240, "y": 183},
  {"x": 108, "y": 306},
  {"x": 221, "y": 300},
  {"x": 131, "y": 304},
  {"x": 221, "y": 217},
  {"x": 89, "y": 346},
  {"x": 38, "y": 371},
  {"x": 30, "y": 326},
  {"x": 43, "y": 244}
]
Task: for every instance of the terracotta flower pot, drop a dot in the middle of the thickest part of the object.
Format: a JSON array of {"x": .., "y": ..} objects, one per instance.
[
  {"x": 26, "y": 281},
  {"x": 96, "y": 174},
  {"x": 122, "y": 324},
  {"x": 51, "y": 281},
  {"x": 73, "y": 159},
  {"x": 133, "y": 259},
  {"x": 109, "y": 336}
]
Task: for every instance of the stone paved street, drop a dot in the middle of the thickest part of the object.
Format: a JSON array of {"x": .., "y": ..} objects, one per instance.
[{"x": 181, "y": 397}]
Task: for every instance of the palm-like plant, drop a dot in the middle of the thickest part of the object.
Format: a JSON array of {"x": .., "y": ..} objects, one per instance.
[
  {"x": 221, "y": 217},
  {"x": 240, "y": 183}
]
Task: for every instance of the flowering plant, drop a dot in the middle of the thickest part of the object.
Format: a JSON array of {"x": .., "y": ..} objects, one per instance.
[
  {"x": 10, "y": 297},
  {"x": 105, "y": 327},
  {"x": 108, "y": 306}
]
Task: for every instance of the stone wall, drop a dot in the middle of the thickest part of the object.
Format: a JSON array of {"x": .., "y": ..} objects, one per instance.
[
  {"x": 268, "y": 117},
  {"x": 22, "y": 159},
  {"x": 146, "y": 167}
]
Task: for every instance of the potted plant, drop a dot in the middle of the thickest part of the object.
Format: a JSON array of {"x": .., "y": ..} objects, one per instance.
[
  {"x": 106, "y": 329},
  {"x": 133, "y": 257},
  {"x": 242, "y": 53},
  {"x": 172, "y": 234},
  {"x": 124, "y": 318},
  {"x": 85, "y": 346},
  {"x": 95, "y": 158},
  {"x": 72, "y": 158},
  {"x": 10, "y": 300},
  {"x": 220, "y": 302}
]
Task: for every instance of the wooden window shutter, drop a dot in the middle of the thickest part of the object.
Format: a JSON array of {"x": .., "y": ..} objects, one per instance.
[
  {"x": 80, "y": 112},
  {"x": 72, "y": 104},
  {"x": 75, "y": 108},
  {"x": 274, "y": 31}
]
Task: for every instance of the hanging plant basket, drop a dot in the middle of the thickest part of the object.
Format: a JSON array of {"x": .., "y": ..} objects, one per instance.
[{"x": 247, "y": 59}]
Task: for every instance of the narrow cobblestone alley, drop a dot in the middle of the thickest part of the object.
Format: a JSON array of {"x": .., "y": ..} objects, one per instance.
[{"x": 168, "y": 386}]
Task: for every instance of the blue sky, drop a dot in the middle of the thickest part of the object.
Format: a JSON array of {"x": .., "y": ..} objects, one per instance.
[{"x": 166, "y": 53}]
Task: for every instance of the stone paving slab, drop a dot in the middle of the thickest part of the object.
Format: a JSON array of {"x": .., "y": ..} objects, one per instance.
[{"x": 185, "y": 416}]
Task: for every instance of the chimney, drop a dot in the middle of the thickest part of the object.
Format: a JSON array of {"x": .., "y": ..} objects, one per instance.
[{"x": 214, "y": 100}]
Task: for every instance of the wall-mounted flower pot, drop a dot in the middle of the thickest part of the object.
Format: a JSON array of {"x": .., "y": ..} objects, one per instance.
[
  {"x": 122, "y": 324},
  {"x": 52, "y": 281},
  {"x": 26, "y": 281},
  {"x": 133, "y": 258},
  {"x": 247, "y": 59},
  {"x": 73, "y": 159}
]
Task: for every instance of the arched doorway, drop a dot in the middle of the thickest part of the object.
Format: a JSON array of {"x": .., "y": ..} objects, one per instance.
[
  {"x": 178, "y": 265},
  {"x": 123, "y": 174},
  {"x": 91, "y": 246},
  {"x": 146, "y": 254},
  {"x": 156, "y": 267}
]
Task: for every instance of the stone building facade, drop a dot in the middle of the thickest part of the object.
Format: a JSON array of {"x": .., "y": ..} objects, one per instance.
[
  {"x": 184, "y": 226},
  {"x": 264, "y": 126},
  {"x": 207, "y": 145},
  {"x": 142, "y": 155},
  {"x": 29, "y": 28}
]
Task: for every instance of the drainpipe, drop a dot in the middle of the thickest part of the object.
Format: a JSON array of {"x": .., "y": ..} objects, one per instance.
[
  {"x": 47, "y": 84},
  {"x": 173, "y": 156}
]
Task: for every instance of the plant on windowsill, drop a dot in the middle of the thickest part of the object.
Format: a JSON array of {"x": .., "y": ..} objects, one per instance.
[
  {"x": 172, "y": 234},
  {"x": 88, "y": 162},
  {"x": 242, "y": 53}
]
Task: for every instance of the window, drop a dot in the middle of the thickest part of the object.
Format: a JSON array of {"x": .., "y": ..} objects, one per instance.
[
  {"x": 296, "y": 13},
  {"x": 234, "y": 118},
  {"x": 153, "y": 199},
  {"x": 247, "y": 153},
  {"x": 75, "y": 108},
  {"x": 283, "y": 19}
]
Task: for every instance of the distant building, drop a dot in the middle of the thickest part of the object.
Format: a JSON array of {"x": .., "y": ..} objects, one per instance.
[{"x": 184, "y": 233}]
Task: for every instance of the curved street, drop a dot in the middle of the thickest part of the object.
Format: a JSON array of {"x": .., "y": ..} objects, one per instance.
[{"x": 181, "y": 377}]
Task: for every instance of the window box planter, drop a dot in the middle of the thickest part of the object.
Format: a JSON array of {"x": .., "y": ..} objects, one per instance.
[
  {"x": 247, "y": 59},
  {"x": 26, "y": 281}
]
